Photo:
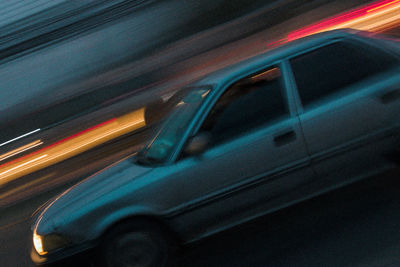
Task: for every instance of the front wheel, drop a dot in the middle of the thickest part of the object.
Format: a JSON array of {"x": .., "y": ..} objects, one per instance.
[{"x": 142, "y": 244}]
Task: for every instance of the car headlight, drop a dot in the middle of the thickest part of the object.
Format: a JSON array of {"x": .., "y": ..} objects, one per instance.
[{"x": 47, "y": 243}]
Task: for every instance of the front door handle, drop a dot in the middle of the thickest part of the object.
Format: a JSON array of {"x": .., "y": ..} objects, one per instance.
[{"x": 284, "y": 137}]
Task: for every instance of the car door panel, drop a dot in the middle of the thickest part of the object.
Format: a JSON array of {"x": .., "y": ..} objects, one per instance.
[
  {"x": 235, "y": 181},
  {"x": 236, "y": 178},
  {"x": 349, "y": 132}
]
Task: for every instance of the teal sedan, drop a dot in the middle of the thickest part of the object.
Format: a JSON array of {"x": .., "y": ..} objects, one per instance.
[{"x": 298, "y": 121}]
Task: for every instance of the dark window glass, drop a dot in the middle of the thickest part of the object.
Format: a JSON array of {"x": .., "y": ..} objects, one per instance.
[
  {"x": 246, "y": 105},
  {"x": 329, "y": 69}
]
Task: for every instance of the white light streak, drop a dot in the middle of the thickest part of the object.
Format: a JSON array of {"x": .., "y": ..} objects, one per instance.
[
  {"x": 19, "y": 137},
  {"x": 21, "y": 165}
]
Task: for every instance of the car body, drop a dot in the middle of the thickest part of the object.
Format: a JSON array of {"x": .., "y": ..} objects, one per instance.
[{"x": 295, "y": 122}]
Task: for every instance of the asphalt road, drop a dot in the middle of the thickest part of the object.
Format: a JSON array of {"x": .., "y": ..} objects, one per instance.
[{"x": 358, "y": 225}]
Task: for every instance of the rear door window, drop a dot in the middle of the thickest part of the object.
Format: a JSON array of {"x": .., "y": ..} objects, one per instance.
[{"x": 333, "y": 68}]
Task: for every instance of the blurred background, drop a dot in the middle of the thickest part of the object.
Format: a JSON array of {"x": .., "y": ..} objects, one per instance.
[{"x": 79, "y": 87}]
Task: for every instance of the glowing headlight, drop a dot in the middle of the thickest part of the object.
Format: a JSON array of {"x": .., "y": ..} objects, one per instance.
[
  {"x": 37, "y": 242},
  {"x": 48, "y": 243}
]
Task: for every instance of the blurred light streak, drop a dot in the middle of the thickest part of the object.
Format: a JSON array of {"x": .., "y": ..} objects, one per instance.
[
  {"x": 20, "y": 150},
  {"x": 19, "y": 137},
  {"x": 381, "y": 6},
  {"x": 55, "y": 144},
  {"x": 26, "y": 186},
  {"x": 368, "y": 18},
  {"x": 204, "y": 94},
  {"x": 267, "y": 75},
  {"x": 386, "y": 24},
  {"x": 72, "y": 145},
  {"x": 371, "y": 21},
  {"x": 22, "y": 165},
  {"x": 277, "y": 43}
]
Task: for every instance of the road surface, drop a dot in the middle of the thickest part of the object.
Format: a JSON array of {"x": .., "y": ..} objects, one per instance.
[{"x": 358, "y": 225}]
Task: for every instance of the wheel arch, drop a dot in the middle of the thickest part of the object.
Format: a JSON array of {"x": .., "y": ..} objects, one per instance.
[{"x": 137, "y": 216}]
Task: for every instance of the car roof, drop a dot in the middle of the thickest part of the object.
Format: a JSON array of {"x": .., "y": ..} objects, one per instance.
[{"x": 229, "y": 73}]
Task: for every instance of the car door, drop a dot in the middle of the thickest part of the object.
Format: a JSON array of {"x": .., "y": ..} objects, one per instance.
[
  {"x": 256, "y": 153},
  {"x": 349, "y": 107}
]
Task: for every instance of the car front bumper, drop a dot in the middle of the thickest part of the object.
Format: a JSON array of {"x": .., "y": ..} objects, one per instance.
[{"x": 63, "y": 256}]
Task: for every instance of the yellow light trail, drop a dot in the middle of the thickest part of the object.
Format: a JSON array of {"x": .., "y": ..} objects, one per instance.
[
  {"x": 371, "y": 21},
  {"x": 382, "y": 6},
  {"x": 20, "y": 150},
  {"x": 72, "y": 146}
]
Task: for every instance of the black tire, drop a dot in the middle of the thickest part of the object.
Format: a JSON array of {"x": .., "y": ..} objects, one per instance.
[{"x": 137, "y": 244}]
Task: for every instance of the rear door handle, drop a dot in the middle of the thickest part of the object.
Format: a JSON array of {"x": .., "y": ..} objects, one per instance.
[{"x": 284, "y": 137}]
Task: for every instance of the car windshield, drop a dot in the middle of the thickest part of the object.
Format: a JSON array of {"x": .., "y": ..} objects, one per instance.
[{"x": 183, "y": 106}]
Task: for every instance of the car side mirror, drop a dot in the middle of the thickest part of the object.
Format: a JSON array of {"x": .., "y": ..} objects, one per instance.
[{"x": 198, "y": 144}]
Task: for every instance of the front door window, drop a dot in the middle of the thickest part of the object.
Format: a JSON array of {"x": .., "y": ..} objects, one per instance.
[{"x": 247, "y": 105}]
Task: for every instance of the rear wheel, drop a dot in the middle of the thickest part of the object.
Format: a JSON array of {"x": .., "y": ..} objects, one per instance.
[{"x": 143, "y": 244}]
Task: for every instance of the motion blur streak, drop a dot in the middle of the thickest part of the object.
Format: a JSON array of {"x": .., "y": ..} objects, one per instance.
[
  {"x": 23, "y": 164},
  {"x": 374, "y": 17},
  {"x": 267, "y": 75},
  {"x": 381, "y": 6},
  {"x": 26, "y": 186},
  {"x": 72, "y": 146},
  {"x": 19, "y": 137},
  {"x": 20, "y": 150},
  {"x": 54, "y": 144}
]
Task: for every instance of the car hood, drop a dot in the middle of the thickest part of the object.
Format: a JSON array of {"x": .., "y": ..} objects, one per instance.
[{"x": 93, "y": 187}]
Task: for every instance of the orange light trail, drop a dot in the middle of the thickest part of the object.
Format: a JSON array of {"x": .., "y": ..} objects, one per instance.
[
  {"x": 20, "y": 150},
  {"x": 72, "y": 145},
  {"x": 56, "y": 143},
  {"x": 383, "y": 5}
]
